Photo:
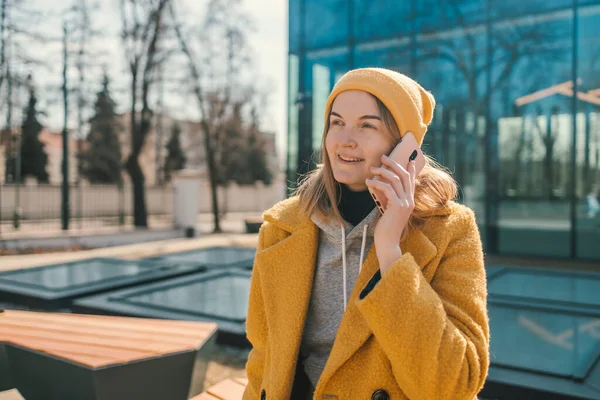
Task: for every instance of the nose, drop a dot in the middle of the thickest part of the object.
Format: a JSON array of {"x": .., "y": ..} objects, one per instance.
[{"x": 347, "y": 138}]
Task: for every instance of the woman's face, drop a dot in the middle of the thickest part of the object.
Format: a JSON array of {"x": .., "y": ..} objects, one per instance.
[{"x": 356, "y": 139}]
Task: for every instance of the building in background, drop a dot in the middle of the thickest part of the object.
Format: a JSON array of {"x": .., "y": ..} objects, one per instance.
[
  {"x": 53, "y": 146},
  {"x": 504, "y": 76}
]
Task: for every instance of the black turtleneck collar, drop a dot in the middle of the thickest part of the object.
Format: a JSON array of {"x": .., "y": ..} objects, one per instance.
[{"x": 355, "y": 206}]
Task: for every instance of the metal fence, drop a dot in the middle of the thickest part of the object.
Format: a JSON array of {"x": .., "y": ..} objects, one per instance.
[{"x": 38, "y": 207}]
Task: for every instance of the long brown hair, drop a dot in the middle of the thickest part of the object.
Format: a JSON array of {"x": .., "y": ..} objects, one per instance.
[{"x": 319, "y": 192}]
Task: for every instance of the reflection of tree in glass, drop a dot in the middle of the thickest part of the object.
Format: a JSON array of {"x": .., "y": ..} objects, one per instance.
[
  {"x": 512, "y": 45},
  {"x": 515, "y": 47},
  {"x": 548, "y": 137},
  {"x": 591, "y": 168}
]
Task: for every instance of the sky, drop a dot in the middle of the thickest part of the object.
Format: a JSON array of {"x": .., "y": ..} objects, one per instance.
[{"x": 269, "y": 42}]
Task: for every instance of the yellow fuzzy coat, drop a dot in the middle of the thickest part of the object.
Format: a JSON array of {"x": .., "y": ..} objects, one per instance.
[{"x": 422, "y": 333}]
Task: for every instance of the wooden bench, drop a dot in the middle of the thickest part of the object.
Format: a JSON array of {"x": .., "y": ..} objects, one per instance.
[
  {"x": 52, "y": 355},
  {"x": 229, "y": 389}
]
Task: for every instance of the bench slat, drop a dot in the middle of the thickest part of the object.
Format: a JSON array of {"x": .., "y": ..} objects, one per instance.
[
  {"x": 242, "y": 381},
  {"x": 227, "y": 390},
  {"x": 97, "y": 341},
  {"x": 205, "y": 396}
]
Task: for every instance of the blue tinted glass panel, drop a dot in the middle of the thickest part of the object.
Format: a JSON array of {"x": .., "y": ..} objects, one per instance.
[
  {"x": 381, "y": 19},
  {"x": 322, "y": 70},
  {"x": 392, "y": 53},
  {"x": 531, "y": 111},
  {"x": 215, "y": 256},
  {"x": 452, "y": 65},
  {"x": 546, "y": 342},
  {"x": 73, "y": 275},
  {"x": 553, "y": 286},
  {"x": 222, "y": 297},
  {"x": 435, "y": 14},
  {"x": 294, "y": 25},
  {"x": 516, "y": 8},
  {"x": 326, "y": 23},
  {"x": 588, "y": 138}
]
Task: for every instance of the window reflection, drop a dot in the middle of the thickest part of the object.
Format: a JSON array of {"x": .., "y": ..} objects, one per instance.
[{"x": 504, "y": 121}]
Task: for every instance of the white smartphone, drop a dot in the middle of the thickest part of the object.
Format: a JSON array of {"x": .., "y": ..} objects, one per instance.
[{"x": 405, "y": 151}]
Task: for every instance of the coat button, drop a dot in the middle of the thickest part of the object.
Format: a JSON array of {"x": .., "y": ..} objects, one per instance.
[
  {"x": 263, "y": 395},
  {"x": 380, "y": 395}
]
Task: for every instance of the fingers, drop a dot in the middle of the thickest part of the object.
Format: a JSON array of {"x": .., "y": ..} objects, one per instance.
[
  {"x": 386, "y": 176},
  {"x": 407, "y": 177},
  {"x": 386, "y": 189}
]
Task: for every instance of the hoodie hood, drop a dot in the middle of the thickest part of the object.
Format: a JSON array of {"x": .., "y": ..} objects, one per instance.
[{"x": 352, "y": 233}]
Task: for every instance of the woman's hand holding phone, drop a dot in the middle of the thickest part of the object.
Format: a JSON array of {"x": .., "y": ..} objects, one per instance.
[
  {"x": 405, "y": 151},
  {"x": 397, "y": 184},
  {"x": 393, "y": 189}
]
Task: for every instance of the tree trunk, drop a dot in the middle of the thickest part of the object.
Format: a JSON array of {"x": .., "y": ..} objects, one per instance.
[
  {"x": 210, "y": 159},
  {"x": 132, "y": 165},
  {"x": 139, "y": 195}
]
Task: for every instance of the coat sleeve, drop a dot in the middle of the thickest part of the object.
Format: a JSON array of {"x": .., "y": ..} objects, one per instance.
[
  {"x": 435, "y": 335},
  {"x": 256, "y": 329}
]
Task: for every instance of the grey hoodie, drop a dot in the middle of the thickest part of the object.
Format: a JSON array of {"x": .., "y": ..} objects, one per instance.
[{"x": 342, "y": 250}]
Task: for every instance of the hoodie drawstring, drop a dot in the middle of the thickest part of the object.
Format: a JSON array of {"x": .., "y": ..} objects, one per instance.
[
  {"x": 362, "y": 248},
  {"x": 362, "y": 253}
]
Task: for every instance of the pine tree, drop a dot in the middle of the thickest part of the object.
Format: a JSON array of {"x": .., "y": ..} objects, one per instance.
[
  {"x": 175, "y": 156},
  {"x": 102, "y": 163},
  {"x": 242, "y": 157},
  {"x": 257, "y": 158},
  {"x": 33, "y": 157}
]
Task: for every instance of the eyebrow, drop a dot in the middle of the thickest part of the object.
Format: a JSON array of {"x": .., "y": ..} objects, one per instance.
[{"x": 363, "y": 117}]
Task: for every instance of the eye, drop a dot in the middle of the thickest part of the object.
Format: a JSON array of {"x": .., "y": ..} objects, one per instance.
[
  {"x": 336, "y": 122},
  {"x": 369, "y": 126}
]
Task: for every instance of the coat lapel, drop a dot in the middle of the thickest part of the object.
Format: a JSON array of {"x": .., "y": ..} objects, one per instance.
[
  {"x": 354, "y": 330},
  {"x": 287, "y": 271}
]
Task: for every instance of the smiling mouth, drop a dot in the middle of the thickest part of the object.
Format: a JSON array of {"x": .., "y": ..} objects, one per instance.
[{"x": 349, "y": 160}]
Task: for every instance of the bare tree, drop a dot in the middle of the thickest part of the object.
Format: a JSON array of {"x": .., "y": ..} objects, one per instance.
[
  {"x": 216, "y": 77},
  {"x": 142, "y": 28},
  {"x": 18, "y": 29}
]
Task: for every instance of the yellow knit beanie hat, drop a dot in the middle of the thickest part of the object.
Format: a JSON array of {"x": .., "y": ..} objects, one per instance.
[{"x": 410, "y": 104}]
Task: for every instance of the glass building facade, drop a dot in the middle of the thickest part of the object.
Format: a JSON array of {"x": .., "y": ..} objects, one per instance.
[{"x": 524, "y": 149}]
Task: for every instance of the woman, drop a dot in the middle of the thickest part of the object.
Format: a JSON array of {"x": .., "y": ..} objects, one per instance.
[{"x": 409, "y": 323}]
